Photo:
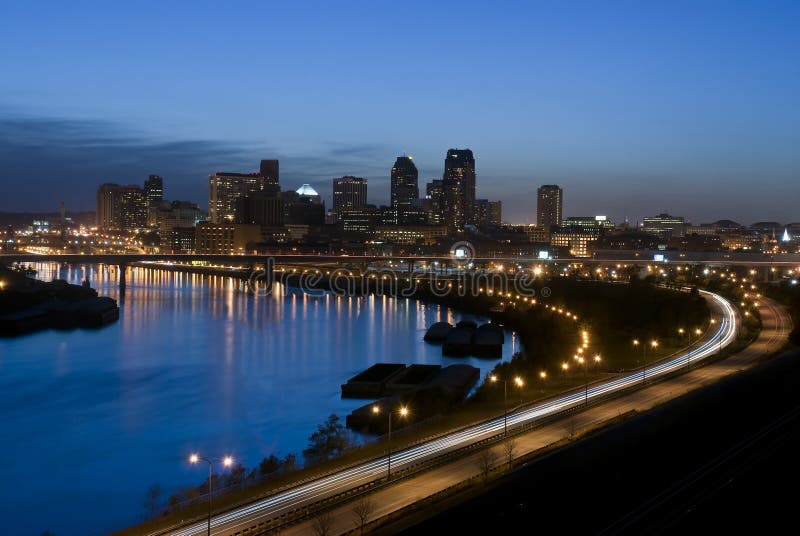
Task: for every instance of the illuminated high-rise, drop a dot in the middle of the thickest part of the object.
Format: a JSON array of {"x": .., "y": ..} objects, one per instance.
[
  {"x": 404, "y": 187},
  {"x": 121, "y": 208},
  {"x": 226, "y": 188},
  {"x": 349, "y": 193},
  {"x": 549, "y": 206},
  {"x": 154, "y": 195},
  {"x": 459, "y": 188}
]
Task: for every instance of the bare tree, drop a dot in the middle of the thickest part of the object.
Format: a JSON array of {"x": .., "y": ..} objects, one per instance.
[
  {"x": 323, "y": 524},
  {"x": 362, "y": 511},
  {"x": 151, "y": 500},
  {"x": 485, "y": 462},
  {"x": 509, "y": 449}
]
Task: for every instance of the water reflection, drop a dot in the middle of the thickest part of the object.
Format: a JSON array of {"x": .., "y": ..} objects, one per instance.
[{"x": 93, "y": 418}]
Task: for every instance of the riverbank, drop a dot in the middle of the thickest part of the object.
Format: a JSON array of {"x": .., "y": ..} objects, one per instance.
[
  {"x": 29, "y": 305},
  {"x": 193, "y": 365}
]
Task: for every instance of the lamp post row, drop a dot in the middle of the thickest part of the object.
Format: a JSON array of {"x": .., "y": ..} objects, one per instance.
[{"x": 227, "y": 461}]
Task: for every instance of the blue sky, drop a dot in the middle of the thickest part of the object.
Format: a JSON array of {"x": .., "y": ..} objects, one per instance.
[{"x": 633, "y": 107}]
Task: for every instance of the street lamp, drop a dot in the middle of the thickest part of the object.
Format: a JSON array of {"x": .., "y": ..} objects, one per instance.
[
  {"x": 654, "y": 345},
  {"x": 403, "y": 411},
  {"x": 583, "y": 362},
  {"x": 520, "y": 383},
  {"x": 712, "y": 322},
  {"x": 195, "y": 458},
  {"x": 597, "y": 360}
]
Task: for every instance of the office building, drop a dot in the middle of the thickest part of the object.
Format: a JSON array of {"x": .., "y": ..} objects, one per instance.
[
  {"x": 154, "y": 194},
  {"x": 454, "y": 211},
  {"x": 459, "y": 188},
  {"x": 260, "y": 208},
  {"x": 226, "y": 188},
  {"x": 488, "y": 213},
  {"x": 179, "y": 240},
  {"x": 411, "y": 234},
  {"x": 121, "y": 208},
  {"x": 598, "y": 223},
  {"x": 270, "y": 170},
  {"x": 664, "y": 225},
  {"x": 575, "y": 239},
  {"x": 434, "y": 202},
  {"x": 349, "y": 193},
  {"x": 536, "y": 234},
  {"x": 178, "y": 214},
  {"x": 549, "y": 206},
  {"x": 177, "y": 221},
  {"x": 360, "y": 222},
  {"x": 226, "y": 238},
  {"x": 303, "y": 206},
  {"x": 404, "y": 185}
]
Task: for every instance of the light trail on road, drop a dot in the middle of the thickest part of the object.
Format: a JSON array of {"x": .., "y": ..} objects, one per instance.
[{"x": 305, "y": 494}]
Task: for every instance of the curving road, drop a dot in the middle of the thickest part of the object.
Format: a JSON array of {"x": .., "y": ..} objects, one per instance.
[{"x": 720, "y": 335}]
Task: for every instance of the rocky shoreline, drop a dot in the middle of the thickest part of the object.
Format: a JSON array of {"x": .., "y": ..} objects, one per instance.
[{"x": 28, "y": 305}]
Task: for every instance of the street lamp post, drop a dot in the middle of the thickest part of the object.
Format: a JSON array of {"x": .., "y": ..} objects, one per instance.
[
  {"x": 227, "y": 461},
  {"x": 654, "y": 344},
  {"x": 518, "y": 381},
  {"x": 597, "y": 360},
  {"x": 403, "y": 412},
  {"x": 583, "y": 362}
]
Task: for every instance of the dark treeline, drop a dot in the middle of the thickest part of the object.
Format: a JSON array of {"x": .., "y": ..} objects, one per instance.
[
  {"x": 330, "y": 440},
  {"x": 616, "y": 313}
]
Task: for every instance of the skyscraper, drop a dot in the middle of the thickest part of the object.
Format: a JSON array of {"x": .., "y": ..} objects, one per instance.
[
  {"x": 454, "y": 210},
  {"x": 121, "y": 207},
  {"x": 262, "y": 208},
  {"x": 349, "y": 193},
  {"x": 154, "y": 194},
  {"x": 270, "y": 170},
  {"x": 226, "y": 188},
  {"x": 459, "y": 187},
  {"x": 434, "y": 201},
  {"x": 404, "y": 187},
  {"x": 488, "y": 213},
  {"x": 549, "y": 206}
]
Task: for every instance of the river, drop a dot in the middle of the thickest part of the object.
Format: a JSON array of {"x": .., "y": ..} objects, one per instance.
[{"x": 93, "y": 418}]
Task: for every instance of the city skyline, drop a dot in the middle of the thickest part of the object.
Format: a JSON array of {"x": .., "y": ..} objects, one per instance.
[
  {"x": 382, "y": 268},
  {"x": 634, "y": 110}
]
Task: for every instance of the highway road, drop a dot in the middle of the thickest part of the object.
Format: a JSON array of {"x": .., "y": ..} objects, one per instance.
[
  {"x": 776, "y": 326},
  {"x": 721, "y": 334}
]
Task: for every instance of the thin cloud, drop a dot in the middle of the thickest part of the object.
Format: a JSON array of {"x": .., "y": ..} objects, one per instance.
[{"x": 49, "y": 159}]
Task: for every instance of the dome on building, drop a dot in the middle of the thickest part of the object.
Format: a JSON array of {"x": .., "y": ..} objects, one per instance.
[{"x": 307, "y": 191}]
